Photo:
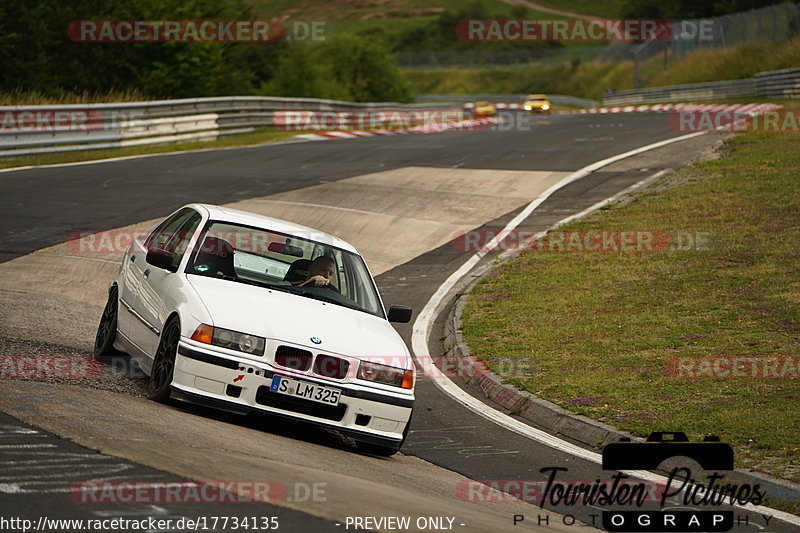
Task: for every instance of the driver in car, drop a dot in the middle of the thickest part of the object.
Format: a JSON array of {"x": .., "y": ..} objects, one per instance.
[{"x": 320, "y": 273}]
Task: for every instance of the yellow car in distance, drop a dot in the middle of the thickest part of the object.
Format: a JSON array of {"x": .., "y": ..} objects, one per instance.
[
  {"x": 536, "y": 103},
  {"x": 482, "y": 109}
]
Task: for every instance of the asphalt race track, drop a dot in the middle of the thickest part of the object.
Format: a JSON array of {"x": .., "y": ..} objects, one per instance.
[{"x": 448, "y": 445}]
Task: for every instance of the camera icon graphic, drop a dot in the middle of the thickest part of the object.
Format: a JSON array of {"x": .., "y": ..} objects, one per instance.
[{"x": 711, "y": 454}]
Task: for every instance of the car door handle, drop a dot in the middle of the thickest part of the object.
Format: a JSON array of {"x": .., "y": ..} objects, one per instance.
[{"x": 147, "y": 272}]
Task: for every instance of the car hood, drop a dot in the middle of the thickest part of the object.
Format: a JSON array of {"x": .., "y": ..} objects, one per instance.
[{"x": 296, "y": 319}]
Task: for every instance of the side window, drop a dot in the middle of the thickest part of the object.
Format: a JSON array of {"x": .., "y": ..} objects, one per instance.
[
  {"x": 336, "y": 280},
  {"x": 160, "y": 237},
  {"x": 180, "y": 239}
]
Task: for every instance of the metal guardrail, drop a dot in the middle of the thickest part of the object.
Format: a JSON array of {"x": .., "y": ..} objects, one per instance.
[
  {"x": 783, "y": 83},
  {"x": 26, "y": 130},
  {"x": 773, "y": 84},
  {"x": 561, "y": 99}
]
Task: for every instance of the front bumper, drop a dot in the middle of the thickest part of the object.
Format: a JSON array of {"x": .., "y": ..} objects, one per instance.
[{"x": 368, "y": 415}]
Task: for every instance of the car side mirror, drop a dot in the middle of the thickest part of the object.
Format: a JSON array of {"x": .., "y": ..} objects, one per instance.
[
  {"x": 160, "y": 259},
  {"x": 399, "y": 313}
]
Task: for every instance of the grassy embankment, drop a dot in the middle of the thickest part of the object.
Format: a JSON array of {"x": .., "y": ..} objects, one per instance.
[
  {"x": 389, "y": 18},
  {"x": 590, "y": 79},
  {"x": 599, "y": 330}
]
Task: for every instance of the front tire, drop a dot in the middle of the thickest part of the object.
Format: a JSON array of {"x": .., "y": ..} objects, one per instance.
[
  {"x": 107, "y": 329},
  {"x": 164, "y": 363}
]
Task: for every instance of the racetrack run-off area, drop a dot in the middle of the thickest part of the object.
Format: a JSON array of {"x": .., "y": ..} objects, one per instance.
[{"x": 401, "y": 200}]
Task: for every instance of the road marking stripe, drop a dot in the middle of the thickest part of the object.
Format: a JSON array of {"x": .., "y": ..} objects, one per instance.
[
  {"x": 25, "y": 446},
  {"x": 424, "y": 322},
  {"x": 351, "y": 210},
  {"x": 345, "y": 134}
]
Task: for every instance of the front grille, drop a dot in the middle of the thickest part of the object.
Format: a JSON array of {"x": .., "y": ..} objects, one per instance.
[
  {"x": 293, "y": 358},
  {"x": 331, "y": 367},
  {"x": 299, "y": 405}
]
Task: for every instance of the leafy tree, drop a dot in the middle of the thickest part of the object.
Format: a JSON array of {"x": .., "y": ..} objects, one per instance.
[
  {"x": 37, "y": 54},
  {"x": 299, "y": 74},
  {"x": 363, "y": 68},
  {"x": 346, "y": 67}
]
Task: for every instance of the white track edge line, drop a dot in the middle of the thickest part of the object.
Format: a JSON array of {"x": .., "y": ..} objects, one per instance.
[
  {"x": 588, "y": 211},
  {"x": 424, "y": 322},
  {"x": 291, "y": 140}
]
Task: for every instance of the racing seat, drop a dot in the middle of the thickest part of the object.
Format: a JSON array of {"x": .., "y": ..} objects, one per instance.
[
  {"x": 217, "y": 255},
  {"x": 298, "y": 271}
]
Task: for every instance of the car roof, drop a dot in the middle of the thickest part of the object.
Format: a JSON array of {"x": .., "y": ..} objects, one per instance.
[
  {"x": 227, "y": 214},
  {"x": 531, "y": 96}
]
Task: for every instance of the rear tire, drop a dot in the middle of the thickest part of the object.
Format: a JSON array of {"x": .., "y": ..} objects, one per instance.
[
  {"x": 164, "y": 363},
  {"x": 107, "y": 329}
]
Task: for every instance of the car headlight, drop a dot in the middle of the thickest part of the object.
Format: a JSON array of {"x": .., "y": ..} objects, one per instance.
[
  {"x": 232, "y": 340},
  {"x": 527, "y": 107},
  {"x": 545, "y": 107},
  {"x": 389, "y": 375}
]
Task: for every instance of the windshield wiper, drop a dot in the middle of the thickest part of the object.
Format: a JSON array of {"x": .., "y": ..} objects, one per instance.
[
  {"x": 283, "y": 288},
  {"x": 246, "y": 281}
]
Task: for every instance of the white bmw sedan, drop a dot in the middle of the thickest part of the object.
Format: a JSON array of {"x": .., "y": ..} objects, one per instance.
[{"x": 245, "y": 312}]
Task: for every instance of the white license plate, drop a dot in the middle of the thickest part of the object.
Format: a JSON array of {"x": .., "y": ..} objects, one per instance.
[{"x": 303, "y": 389}]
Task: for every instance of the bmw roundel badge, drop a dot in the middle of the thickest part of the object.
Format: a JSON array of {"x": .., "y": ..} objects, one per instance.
[{"x": 316, "y": 340}]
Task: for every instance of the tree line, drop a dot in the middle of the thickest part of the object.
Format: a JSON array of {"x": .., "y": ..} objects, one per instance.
[{"x": 37, "y": 54}]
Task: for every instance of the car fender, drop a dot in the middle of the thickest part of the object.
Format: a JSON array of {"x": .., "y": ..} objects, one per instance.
[{"x": 189, "y": 307}]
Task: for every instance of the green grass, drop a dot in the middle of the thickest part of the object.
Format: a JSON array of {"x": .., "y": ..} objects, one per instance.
[
  {"x": 600, "y": 328},
  {"x": 572, "y": 72},
  {"x": 588, "y": 80},
  {"x": 729, "y": 63},
  {"x": 18, "y": 97},
  {"x": 360, "y": 16},
  {"x": 607, "y": 9}
]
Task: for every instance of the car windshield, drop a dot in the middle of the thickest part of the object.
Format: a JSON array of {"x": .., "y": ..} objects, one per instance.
[
  {"x": 291, "y": 263},
  {"x": 537, "y": 98}
]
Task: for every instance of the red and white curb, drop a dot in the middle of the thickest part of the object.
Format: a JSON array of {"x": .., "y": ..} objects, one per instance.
[
  {"x": 749, "y": 109},
  {"x": 428, "y": 128}
]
